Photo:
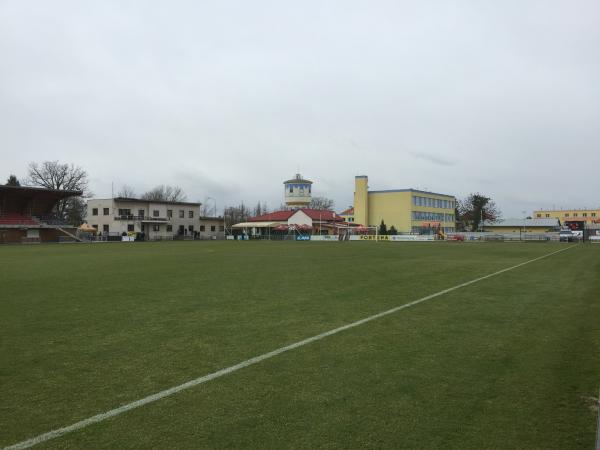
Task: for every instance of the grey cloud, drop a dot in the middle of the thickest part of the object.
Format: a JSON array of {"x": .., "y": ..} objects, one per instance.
[{"x": 434, "y": 159}]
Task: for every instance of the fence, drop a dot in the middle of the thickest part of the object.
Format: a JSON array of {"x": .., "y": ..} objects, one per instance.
[{"x": 483, "y": 236}]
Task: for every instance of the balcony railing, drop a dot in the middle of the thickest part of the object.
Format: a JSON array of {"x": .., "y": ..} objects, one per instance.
[{"x": 140, "y": 218}]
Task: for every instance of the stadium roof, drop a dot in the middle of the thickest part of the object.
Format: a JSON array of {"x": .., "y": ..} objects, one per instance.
[
  {"x": 30, "y": 190},
  {"x": 37, "y": 200}
]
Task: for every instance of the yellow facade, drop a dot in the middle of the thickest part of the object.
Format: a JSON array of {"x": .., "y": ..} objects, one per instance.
[
  {"x": 361, "y": 199},
  {"x": 408, "y": 210},
  {"x": 570, "y": 215}
]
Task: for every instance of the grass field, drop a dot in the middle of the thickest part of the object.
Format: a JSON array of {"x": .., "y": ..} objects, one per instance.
[{"x": 503, "y": 363}]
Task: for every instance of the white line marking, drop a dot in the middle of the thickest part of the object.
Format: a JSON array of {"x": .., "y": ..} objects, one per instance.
[{"x": 219, "y": 373}]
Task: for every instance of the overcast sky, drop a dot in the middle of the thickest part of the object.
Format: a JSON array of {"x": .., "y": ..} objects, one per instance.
[{"x": 228, "y": 99}]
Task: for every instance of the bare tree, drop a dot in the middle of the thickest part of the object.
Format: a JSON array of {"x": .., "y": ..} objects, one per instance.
[
  {"x": 260, "y": 209},
  {"x": 126, "y": 191},
  {"x": 321, "y": 203},
  {"x": 165, "y": 193},
  {"x": 54, "y": 175},
  {"x": 236, "y": 214}
]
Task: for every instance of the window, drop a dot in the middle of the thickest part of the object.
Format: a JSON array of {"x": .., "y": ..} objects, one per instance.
[
  {"x": 95, "y": 226},
  {"x": 593, "y": 214},
  {"x": 181, "y": 213},
  {"x": 94, "y": 211},
  {"x": 191, "y": 214},
  {"x": 547, "y": 215},
  {"x": 141, "y": 213},
  {"x": 105, "y": 228},
  {"x": 155, "y": 227},
  {"x": 574, "y": 214},
  {"x": 130, "y": 227},
  {"x": 539, "y": 215},
  {"x": 202, "y": 228},
  {"x": 213, "y": 228},
  {"x": 124, "y": 212},
  {"x": 105, "y": 211},
  {"x": 584, "y": 214},
  {"x": 566, "y": 214},
  {"x": 155, "y": 213},
  {"x": 191, "y": 228},
  {"x": 221, "y": 227},
  {"x": 181, "y": 229},
  {"x": 169, "y": 227},
  {"x": 169, "y": 213}
]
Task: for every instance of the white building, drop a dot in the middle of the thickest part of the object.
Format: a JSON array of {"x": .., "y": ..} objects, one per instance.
[
  {"x": 297, "y": 192},
  {"x": 212, "y": 228},
  {"x": 156, "y": 219}
]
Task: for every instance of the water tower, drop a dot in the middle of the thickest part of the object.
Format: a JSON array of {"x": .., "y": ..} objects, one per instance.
[{"x": 297, "y": 192}]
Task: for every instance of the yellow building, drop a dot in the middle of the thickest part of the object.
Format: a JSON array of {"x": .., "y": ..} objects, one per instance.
[
  {"x": 408, "y": 210},
  {"x": 347, "y": 215},
  {"x": 569, "y": 215}
]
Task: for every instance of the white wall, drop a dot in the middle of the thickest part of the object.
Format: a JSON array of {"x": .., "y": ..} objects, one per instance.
[{"x": 300, "y": 218}]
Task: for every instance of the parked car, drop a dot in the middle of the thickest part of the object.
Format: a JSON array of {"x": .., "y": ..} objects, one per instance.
[{"x": 566, "y": 236}]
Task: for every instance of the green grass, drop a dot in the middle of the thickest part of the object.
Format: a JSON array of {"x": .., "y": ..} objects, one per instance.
[{"x": 504, "y": 363}]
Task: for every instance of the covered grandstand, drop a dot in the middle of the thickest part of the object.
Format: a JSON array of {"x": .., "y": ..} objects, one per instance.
[{"x": 28, "y": 214}]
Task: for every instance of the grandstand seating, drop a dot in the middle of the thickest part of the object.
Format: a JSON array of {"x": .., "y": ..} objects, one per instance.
[{"x": 17, "y": 219}]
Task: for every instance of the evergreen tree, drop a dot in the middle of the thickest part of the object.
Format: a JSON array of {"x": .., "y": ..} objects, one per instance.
[
  {"x": 382, "y": 228},
  {"x": 12, "y": 181},
  {"x": 392, "y": 231}
]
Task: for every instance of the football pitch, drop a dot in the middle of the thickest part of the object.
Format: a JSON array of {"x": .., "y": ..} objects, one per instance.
[{"x": 509, "y": 360}]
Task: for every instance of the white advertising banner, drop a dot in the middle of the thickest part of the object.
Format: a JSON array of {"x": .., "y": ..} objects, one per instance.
[
  {"x": 397, "y": 238},
  {"x": 324, "y": 238}
]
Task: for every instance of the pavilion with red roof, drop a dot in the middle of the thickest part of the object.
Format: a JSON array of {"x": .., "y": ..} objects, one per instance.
[{"x": 303, "y": 221}]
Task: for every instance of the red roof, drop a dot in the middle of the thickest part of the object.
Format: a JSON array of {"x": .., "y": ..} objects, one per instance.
[
  {"x": 277, "y": 216},
  {"x": 348, "y": 212},
  {"x": 314, "y": 214},
  {"x": 322, "y": 214}
]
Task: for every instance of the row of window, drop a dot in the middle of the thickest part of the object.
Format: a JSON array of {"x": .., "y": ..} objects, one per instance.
[
  {"x": 427, "y": 230},
  {"x": 433, "y": 202},
  {"x": 438, "y": 217},
  {"x": 130, "y": 227},
  {"x": 574, "y": 215},
  {"x": 301, "y": 187},
  {"x": 142, "y": 212}
]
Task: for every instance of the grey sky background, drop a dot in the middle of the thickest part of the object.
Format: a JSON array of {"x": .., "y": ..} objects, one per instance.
[{"x": 229, "y": 98}]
